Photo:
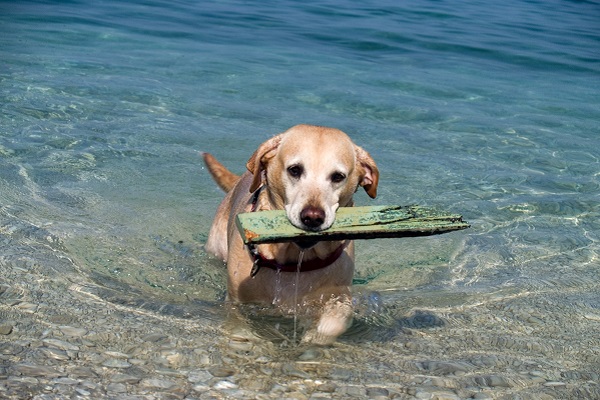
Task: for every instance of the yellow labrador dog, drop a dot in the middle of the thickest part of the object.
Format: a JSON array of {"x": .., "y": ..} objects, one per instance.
[{"x": 308, "y": 171}]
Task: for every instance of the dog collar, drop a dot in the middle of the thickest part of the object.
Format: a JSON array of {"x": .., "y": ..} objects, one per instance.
[{"x": 306, "y": 266}]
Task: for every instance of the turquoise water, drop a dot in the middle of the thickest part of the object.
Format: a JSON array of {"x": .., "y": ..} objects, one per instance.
[{"x": 490, "y": 110}]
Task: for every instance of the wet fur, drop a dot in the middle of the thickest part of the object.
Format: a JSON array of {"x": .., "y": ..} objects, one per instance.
[{"x": 310, "y": 201}]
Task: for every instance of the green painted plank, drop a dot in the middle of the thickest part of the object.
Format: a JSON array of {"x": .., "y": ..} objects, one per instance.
[{"x": 369, "y": 222}]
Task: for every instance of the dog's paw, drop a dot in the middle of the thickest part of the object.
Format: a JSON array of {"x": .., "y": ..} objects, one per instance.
[
  {"x": 335, "y": 320},
  {"x": 326, "y": 332}
]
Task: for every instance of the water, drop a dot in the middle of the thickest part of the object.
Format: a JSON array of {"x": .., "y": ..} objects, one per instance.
[
  {"x": 486, "y": 110},
  {"x": 296, "y": 285}
]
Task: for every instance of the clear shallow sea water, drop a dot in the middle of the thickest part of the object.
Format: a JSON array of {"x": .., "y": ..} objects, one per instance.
[{"x": 488, "y": 110}]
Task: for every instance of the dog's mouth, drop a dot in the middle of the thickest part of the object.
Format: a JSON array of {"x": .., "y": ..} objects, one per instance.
[{"x": 306, "y": 244}]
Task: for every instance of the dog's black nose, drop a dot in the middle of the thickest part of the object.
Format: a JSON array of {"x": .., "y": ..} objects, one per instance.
[{"x": 312, "y": 217}]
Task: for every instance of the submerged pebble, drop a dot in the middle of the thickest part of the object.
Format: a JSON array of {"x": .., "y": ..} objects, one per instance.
[
  {"x": 73, "y": 332},
  {"x": 154, "y": 383},
  {"x": 310, "y": 354},
  {"x": 10, "y": 348},
  {"x": 377, "y": 392},
  {"x": 225, "y": 385},
  {"x": 493, "y": 381},
  {"x": 554, "y": 384},
  {"x": 6, "y": 329},
  {"x": 115, "y": 363},
  {"x": 36, "y": 370},
  {"x": 55, "y": 354},
  {"x": 124, "y": 378},
  {"x": 292, "y": 370},
  {"x": 116, "y": 388},
  {"x": 221, "y": 372},
  {"x": 60, "y": 344}
]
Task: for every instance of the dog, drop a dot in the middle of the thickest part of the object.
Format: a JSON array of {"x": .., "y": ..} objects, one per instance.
[{"x": 308, "y": 171}]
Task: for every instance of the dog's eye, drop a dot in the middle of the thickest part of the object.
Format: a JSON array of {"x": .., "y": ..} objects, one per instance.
[
  {"x": 295, "y": 171},
  {"x": 337, "y": 177}
]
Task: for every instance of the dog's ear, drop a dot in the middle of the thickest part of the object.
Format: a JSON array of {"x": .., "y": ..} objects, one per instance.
[
  {"x": 258, "y": 162},
  {"x": 369, "y": 177}
]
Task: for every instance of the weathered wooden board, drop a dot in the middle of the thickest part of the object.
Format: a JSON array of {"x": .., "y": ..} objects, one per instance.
[{"x": 351, "y": 223}]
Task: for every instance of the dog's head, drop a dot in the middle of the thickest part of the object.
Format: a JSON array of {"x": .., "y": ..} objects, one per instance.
[{"x": 310, "y": 171}]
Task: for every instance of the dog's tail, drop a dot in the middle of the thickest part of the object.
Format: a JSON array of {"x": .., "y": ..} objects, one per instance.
[{"x": 224, "y": 178}]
